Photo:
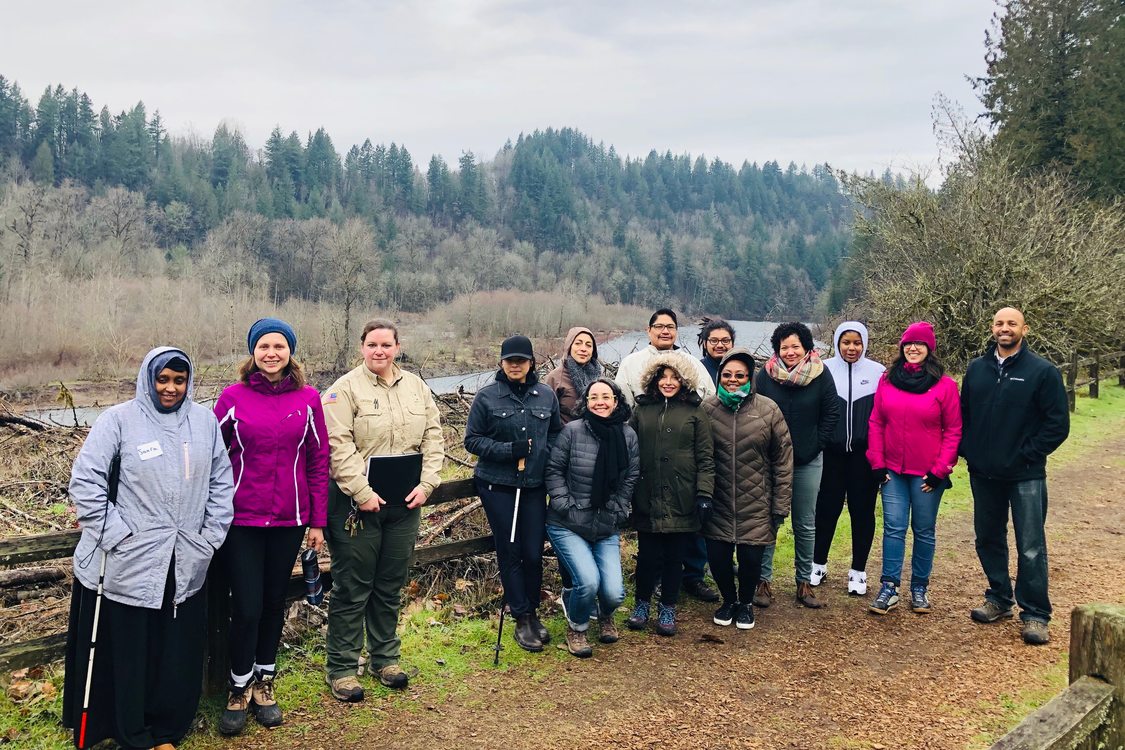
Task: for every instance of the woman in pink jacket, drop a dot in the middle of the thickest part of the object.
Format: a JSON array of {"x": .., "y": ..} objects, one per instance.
[
  {"x": 273, "y": 426},
  {"x": 914, "y": 432}
]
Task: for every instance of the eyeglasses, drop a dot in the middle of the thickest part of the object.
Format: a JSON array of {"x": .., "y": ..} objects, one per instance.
[
  {"x": 608, "y": 398},
  {"x": 734, "y": 376},
  {"x": 663, "y": 326},
  {"x": 717, "y": 342},
  {"x": 914, "y": 345}
]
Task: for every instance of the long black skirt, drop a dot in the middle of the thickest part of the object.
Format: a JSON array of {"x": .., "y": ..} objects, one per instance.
[{"x": 148, "y": 669}]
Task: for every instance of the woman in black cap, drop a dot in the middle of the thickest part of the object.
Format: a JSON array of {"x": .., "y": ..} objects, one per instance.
[{"x": 512, "y": 425}]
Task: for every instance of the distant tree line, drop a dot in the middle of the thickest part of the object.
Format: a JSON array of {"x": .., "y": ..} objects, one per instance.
[{"x": 552, "y": 208}]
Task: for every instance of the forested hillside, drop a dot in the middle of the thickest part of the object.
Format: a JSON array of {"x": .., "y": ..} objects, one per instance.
[{"x": 86, "y": 192}]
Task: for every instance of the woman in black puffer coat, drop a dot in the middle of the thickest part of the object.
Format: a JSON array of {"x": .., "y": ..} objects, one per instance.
[{"x": 590, "y": 476}]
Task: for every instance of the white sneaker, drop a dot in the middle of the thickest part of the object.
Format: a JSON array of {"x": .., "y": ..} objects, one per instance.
[
  {"x": 819, "y": 572},
  {"x": 857, "y": 582}
]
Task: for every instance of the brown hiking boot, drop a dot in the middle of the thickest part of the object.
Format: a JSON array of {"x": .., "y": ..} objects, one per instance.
[
  {"x": 233, "y": 720},
  {"x": 763, "y": 595},
  {"x": 609, "y": 632},
  {"x": 393, "y": 677},
  {"x": 345, "y": 688},
  {"x": 990, "y": 611},
  {"x": 262, "y": 703},
  {"x": 1035, "y": 633},
  {"x": 806, "y": 597},
  {"x": 577, "y": 644}
]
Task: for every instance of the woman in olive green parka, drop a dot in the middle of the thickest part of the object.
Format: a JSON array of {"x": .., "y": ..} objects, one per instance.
[{"x": 674, "y": 490}]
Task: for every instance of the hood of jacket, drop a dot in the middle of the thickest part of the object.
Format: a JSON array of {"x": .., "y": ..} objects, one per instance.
[
  {"x": 572, "y": 334},
  {"x": 862, "y": 377},
  {"x": 683, "y": 366},
  {"x": 146, "y": 386}
]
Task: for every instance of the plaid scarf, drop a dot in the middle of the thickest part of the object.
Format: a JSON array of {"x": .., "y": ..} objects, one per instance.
[{"x": 806, "y": 371}]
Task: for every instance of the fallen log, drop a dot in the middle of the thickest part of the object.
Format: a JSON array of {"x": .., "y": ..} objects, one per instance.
[{"x": 25, "y": 576}]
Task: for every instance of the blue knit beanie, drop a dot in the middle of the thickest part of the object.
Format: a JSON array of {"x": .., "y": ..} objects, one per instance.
[{"x": 271, "y": 325}]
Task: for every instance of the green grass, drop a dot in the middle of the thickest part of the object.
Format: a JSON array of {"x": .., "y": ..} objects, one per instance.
[{"x": 441, "y": 649}]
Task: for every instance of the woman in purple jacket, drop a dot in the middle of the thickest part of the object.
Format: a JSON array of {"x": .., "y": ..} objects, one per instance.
[
  {"x": 912, "y": 441},
  {"x": 273, "y": 426}
]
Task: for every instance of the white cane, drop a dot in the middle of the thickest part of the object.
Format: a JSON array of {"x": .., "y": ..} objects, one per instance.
[
  {"x": 516, "y": 510},
  {"x": 90, "y": 664}
]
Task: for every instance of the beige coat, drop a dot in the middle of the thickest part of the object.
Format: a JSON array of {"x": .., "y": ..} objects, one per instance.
[{"x": 369, "y": 416}]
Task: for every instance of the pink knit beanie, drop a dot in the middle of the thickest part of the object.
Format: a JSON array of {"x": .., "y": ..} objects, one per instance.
[{"x": 920, "y": 331}]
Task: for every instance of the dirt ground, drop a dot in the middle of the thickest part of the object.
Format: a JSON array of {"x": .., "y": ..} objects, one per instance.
[{"x": 838, "y": 677}]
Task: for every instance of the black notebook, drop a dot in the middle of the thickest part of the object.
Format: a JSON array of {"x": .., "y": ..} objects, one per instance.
[{"x": 394, "y": 477}]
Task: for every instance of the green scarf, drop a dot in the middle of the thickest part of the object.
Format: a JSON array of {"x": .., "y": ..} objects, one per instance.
[{"x": 733, "y": 400}]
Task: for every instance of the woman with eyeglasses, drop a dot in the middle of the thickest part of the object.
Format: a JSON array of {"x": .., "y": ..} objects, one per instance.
[
  {"x": 912, "y": 442},
  {"x": 753, "y": 485}
]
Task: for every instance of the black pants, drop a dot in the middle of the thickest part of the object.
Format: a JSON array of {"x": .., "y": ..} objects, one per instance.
[
  {"x": 846, "y": 475},
  {"x": 720, "y": 555},
  {"x": 258, "y": 563},
  {"x": 661, "y": 557},
  {"x": 148, "y": 668},
  {"x": 521, "y": 563}
]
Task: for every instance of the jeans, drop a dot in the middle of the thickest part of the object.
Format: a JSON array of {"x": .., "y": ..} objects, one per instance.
[
  {"x": 1028, "y": 501},
  {"x": 721, "y": 556},
  {"x": 846, "y": 475},
  {"x": 521, "y": 563},
  {"x": 695, "y": 559},
  {"x": 661, "y": 556},
  {"x": 595, "y": 574},
  {"x": 806, "y": 486},
  {"x": 905, "y": 504},
  {"x": 368, "y": 573}
]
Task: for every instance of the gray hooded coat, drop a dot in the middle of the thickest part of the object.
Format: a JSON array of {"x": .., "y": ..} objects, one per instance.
[{"x": 175, "y": 496}]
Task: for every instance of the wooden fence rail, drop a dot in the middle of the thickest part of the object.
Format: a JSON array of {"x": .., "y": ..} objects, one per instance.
[
  {"x": 1095, "y": 373},
  {"x": 60, "y": 545}
]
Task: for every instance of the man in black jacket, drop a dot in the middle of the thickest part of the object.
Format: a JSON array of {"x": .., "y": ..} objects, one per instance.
[{"x": 1014, "y": 411}]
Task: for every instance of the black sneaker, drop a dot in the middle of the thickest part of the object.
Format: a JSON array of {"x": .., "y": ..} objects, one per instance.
[
  {"x": 744, "y": 617},
  {"x": 724, "y": 615},
  {"x": 919, "y": 600},
  {"x": 701, "y": 591},
  {"x": 886, "y": 600}
]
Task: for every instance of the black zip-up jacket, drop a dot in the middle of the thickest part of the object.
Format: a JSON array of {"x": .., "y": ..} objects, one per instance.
[
  {"x": 1013, "y": 415},
  {"x": 498, "y": 418},
  {"x": 811, "y": 411}
]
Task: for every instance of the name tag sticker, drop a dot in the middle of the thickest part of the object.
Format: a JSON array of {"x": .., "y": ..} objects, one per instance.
[{"x": 149, "y": 450}]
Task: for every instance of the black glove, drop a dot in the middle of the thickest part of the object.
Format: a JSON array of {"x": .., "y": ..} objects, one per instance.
[
  {"x": 880, "y": 476},
  {"x": 931, "y": 480},
  {"x": 703, "y": 509},
  {"x": 776, "y": 520},
  {"x": 521, "y": 449}
]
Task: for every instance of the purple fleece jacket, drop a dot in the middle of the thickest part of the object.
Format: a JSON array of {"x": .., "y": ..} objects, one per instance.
[{"x": 278, "y": 446}]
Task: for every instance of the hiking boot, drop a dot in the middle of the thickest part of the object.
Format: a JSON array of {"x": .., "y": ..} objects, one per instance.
[
  {"x": 540, "y": 629},
  {"x": 744, "y": 617},
  {"x": 857, "y": 582},
  {"x": 724, "y": 615},
  {"x": 666, "y": 620},
  {"x": 639, "y": 619},
  {"x": 1035, "y": 633},
  {"x": 609, "y": 632},
  {"x": 577, "y": 644},
  {"x": 919, "y": 600},
  {"x": 885, "y": 600},
  {"x": 345, "y": 688},
  {"x": 819, "y": 573},
  {"x": 234, "y": 716},
  {"x": 763, "y": 595},
  {"x": 701, "y": 591},
  {"x": 262, "y": 703},
  {"x": 990, "y": 611},
  {"x": 525, "y": 635},
  {"x": 806, "y": 597},
  {"x": 391, "y": 676}
]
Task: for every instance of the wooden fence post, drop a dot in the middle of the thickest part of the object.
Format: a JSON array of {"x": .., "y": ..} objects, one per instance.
[
  {"x": 1097, "y": 648},
  {"x": 1094, "y": 367},
  {"x": 1121, "y": 371},
  {"x": 1071, "y": 379},
  {"x": 216, "y": 665}
]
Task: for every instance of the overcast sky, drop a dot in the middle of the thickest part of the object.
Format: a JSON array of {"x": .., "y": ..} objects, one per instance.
[{"x": 850, "y": 82}]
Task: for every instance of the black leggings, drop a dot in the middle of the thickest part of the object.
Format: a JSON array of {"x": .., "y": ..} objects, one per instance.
[
  {"x": 521, "y": 563},
  {"x": 258, "y": 563},
  {"x": 846, "y": 475},
  {"x": 661, "y": 556},
  {"x": 720, "y": 555}
]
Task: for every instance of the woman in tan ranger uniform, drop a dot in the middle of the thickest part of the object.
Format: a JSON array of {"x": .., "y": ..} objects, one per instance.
[{"x": 377, "y": 409}]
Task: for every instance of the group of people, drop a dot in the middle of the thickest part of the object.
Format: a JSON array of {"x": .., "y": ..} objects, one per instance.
[{"x": 703, "y": 458}]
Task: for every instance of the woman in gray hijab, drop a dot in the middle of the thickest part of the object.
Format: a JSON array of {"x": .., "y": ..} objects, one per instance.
[{"x": 172, "y": 509}]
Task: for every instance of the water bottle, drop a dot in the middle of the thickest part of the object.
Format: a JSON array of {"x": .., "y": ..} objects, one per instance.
[{"x": 314, "y": 592}]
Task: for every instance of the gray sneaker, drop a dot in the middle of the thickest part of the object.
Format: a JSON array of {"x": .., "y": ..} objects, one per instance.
[
  {"x": 1035, "y": 633},
  {"x": 990, "y": 611}
]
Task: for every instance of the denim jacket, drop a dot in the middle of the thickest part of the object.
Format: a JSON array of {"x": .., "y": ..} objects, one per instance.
[{"x": 498, "y": 418}]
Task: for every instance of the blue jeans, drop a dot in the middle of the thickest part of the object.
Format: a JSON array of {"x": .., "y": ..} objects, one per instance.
[
  {"x": 806, "y": 486},
  {"x": 595, "y": 573},
  {"x": 905, "y": 504}
]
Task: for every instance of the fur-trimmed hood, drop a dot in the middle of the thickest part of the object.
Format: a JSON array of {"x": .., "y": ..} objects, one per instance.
[{"x": 683, "y": 366}]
